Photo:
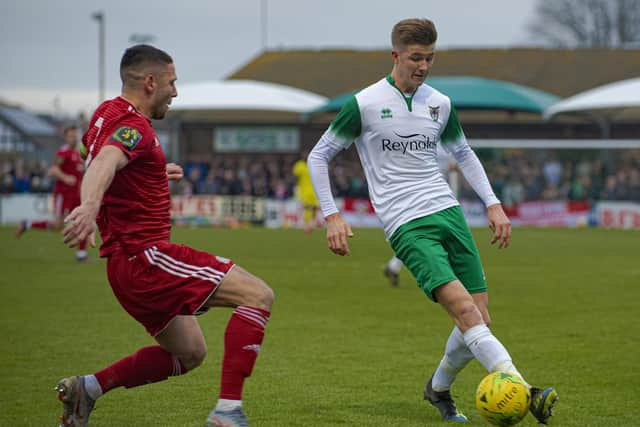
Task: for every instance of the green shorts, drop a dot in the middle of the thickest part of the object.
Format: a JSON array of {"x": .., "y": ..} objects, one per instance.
[{"x": 438, "y": 249}]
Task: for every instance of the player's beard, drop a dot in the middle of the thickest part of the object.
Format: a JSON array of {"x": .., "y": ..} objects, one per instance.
[
  {"x": 161, "y": 106},
  {"x": 160, "y": 111},
  {"x": 158, "y": 114}
]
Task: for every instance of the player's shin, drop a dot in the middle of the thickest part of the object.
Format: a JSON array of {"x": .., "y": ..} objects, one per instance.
[
  {"x": 242, "y": 342},
  {"x": 489, "y": 351},
  {"x": 457, "y": 355},
  {"x": 147, "y": 365}
]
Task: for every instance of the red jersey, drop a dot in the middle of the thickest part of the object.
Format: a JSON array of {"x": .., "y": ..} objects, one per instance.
[
  {"x": 70, "y": 163},
  {"x": 135, "y": 210}
]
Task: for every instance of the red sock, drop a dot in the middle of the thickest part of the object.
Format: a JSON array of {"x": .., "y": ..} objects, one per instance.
[
  {"x": 242, "y": 341},
  {"x": 42, "y": 225},
  {"x": 82, "y": 245},
  {"x": 147, "y": 365}
]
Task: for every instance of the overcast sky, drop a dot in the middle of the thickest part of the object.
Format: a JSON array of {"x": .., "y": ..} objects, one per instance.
[{"x": 49, "y": 48}]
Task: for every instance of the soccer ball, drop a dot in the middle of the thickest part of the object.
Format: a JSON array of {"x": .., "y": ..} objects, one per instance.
[{"x": 503, "y": 399}]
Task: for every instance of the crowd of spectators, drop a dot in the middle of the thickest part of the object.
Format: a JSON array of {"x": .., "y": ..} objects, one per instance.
[
  {"x": 516, "y": 175},
  {"x": 20, "y": 176},
  {"x": 579, "y": 175},
  {"x": 264, "y": 175}
]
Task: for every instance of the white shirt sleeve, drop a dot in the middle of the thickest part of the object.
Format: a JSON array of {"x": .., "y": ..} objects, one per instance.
[
  {"x": 473, "y": 171},
  {"x": 318, "y": 164}
]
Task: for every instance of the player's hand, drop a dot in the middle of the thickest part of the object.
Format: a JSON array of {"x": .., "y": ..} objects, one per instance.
[
  {"x": 500, "y": 225},
  {"x": 174, "y": 172},
  {"x": 337, "y": 232},
  {"x": 80, "y": 224},
  {"x": 69, "y": 179}
]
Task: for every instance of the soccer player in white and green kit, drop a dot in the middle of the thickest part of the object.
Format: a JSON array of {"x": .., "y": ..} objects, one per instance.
[{"x": 397, "y": 124}]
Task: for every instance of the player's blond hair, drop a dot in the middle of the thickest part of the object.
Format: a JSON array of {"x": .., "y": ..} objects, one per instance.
[{"x": 413, "y": 31}]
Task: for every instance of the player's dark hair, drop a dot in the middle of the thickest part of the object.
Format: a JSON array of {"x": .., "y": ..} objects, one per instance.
[
  {"x": 68, "y": 128},
  {"x": 413, "y": 31},
  {"x": 136, "y": 58}
]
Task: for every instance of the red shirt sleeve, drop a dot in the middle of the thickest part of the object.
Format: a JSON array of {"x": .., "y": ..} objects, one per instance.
[
  {"x": 132, "y": 137},
  {"x": 60, "y": 157}
]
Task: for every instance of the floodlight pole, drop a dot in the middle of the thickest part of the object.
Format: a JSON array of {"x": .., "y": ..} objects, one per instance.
[
  {"x": 263, "y": 24},
  {"x": 99, "y": 18}
]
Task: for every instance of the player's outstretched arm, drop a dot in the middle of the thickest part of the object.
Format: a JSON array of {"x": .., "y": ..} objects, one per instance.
[
  {"x": 174, "y": 172},
  {"x": 337, "y": 232},
  {"x": 500, "y": 225},
  {"x": 81, "y": 222},
  {"x": 318, "y": 163},
  {"x": 56, "y": 173}
]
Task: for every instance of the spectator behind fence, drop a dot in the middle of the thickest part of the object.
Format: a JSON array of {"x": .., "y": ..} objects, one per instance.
[
  {"x": 516, "y": 175},
  {"x": 552, "y": 170}
]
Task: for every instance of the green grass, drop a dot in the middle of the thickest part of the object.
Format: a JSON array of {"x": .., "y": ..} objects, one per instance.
[{"x": 342, "y": 347}]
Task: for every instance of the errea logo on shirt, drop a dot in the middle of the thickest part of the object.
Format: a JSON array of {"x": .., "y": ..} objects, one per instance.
[{"x": 386, "y": 113}]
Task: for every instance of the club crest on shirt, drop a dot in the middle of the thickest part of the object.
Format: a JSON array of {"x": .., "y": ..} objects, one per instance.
[
  {"x": 386, "y": 113},
  {"x": 127, "y": 136},
  {"x": 434, "y": 112}
]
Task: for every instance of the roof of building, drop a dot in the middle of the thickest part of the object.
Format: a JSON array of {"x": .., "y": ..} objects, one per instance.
[
  {"x": 27, "y": 122},
  {"x": 474, "y": 93},
  {"x": 607, "y": 100},
  {"x": 333, "y": 72},
  {"x": 245, "y": 95}
]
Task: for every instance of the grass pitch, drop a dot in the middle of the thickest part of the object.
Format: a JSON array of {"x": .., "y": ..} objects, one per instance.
[{"x": 342, "y": 347}]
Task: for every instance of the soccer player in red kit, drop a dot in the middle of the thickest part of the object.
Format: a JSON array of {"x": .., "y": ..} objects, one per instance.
[
  {"x": 163, "y": 285},
  {"x": 67, "y": 169}
]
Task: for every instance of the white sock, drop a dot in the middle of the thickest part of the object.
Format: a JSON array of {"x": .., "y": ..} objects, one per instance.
[
  {"x": 227, "y": 404},
  {"x": 510, "y": 368},
  {"x": 456, "y": 357},
  {"x": 394, "y": 265},
  {"x": 92, "y": 386},
  {"x": 489, "y": 351}
]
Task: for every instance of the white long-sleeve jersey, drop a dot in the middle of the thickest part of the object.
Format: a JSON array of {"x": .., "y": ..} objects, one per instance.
[{"x": 396, "y": 137}]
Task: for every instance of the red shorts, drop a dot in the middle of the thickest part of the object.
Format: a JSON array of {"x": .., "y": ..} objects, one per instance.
[
  {"x": 64, "y": 203},
  {"x": 164, "y": 281}
]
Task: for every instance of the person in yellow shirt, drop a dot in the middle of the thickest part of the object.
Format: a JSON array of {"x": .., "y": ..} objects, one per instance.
[{"x": 304, "y": 192}]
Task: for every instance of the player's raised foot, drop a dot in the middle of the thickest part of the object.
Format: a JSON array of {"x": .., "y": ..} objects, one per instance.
[
  {"x": 232, "y": 418},
  {"x": 22, "y": 227},
  {"x": 445, "y": 404},
  {"x": 77, "y": 405},
  {"x": 394, "y": 278},
  {"x": 542, "y": 402}
]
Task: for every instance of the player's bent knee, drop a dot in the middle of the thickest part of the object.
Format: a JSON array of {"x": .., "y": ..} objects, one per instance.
[
  {"x": 267, "y": 297},
  {"x": 262, "y": 296},
  {"x": 468, "y": 314},
  {"x": 241, "y": 288},
  {"x": 194, "y": 357}
]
